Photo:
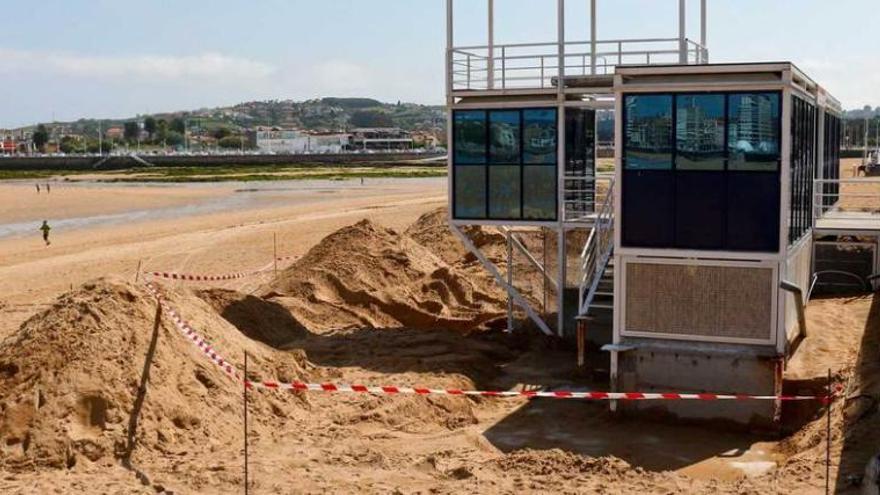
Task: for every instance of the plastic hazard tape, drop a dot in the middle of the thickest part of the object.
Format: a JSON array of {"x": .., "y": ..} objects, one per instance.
[
  {"x": 216, "y": 278},
  {"x": 204, "y": 278},
  {"x": 193, "y": 336},
  {"x": 333, "y": 388}
]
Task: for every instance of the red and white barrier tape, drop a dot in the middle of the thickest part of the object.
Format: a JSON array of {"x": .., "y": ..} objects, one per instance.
[
  {"x": 215, "y": 278},
  {"x": 192, "y": 335},
  {"x": 362, "y": 389},
  {"x": 187, "y": 330},
  {"x": 204, "y": 278}
]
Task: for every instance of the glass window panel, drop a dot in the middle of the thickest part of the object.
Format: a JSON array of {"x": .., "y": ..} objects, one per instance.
[
  {"x": 699, "y": 131},
  {"x": 539, "y": 136},
  {"x": 470, "y": 191},
  {"x": 504, "y": 192},
  {"x": 539, "y": 192},
  {"x": 504, "y": 134},
  {"x": 470, "y": 137},
  {"x": 648, "y": 132},
  {"x": 753, "y": 131}
]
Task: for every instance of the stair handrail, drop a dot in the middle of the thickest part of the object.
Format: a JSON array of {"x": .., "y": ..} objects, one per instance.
[{"x": 597, "y": 251}]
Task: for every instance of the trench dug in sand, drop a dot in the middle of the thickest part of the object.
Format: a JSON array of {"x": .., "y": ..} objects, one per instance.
[{"x": 97, "y": 381}]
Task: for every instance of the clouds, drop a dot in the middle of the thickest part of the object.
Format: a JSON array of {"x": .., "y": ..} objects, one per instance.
[{"x": 208, "y": 66}]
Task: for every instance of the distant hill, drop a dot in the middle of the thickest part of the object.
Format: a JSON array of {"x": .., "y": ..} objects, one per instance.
[{"x": 324, "y": 114}]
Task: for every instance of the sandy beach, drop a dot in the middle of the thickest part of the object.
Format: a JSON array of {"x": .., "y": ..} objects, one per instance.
[
  {"x": 376, "y": 291},
  {"x": 235, "y": 232}
]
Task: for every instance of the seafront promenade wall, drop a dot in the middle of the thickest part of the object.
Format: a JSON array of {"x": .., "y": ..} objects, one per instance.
[{"x": 124, "y": 162}]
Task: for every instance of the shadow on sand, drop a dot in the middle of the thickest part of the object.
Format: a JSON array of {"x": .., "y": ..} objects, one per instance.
[{"x": 861, "y": 418}]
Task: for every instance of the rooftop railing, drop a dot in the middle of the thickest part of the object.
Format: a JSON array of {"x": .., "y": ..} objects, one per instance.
[{"x": 537, "y": 65}]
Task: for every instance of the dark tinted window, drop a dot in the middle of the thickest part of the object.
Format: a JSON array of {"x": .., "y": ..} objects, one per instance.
[
  {"x": 490, "y": 177},
  {"x": 699, "y": 129},
  {"x": 753, "y": 131},
  {"x": 504, "y": 137},
  {"x": 539, "y": 136},
  {"x": 470, "y": 137},
  {"x": 504, "y": 191},
  {"x": 718, "y": 186},
  {"x": 539, "y": 192},
  {"x": 470, "y": 191},
  {"x": 648, "y": 132}
]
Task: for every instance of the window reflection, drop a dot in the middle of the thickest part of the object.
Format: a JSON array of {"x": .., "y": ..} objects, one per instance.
[
  {"x": 753, "y": 132},
  {"x": 470, "y": 137},
  {"x": 539, "y": 137},
  {"x": 648, "y": 132},
  {"x": 504, "y": 137},
  {"x": 699, "y": 129}
]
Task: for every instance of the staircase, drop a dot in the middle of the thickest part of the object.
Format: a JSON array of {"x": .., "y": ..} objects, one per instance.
[{"x": 596, "y": 288}]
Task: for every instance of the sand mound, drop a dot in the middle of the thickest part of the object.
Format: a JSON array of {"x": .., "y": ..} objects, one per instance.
[
  {"x": 369, "y": 276},
  {"x": 71, "y": 387}
]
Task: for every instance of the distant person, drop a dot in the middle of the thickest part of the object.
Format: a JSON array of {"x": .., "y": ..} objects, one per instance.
[
  {"x": 48, "y": 188},
  {"x": 38, "y": 188},
  {"x": 45, "y": 228},
  {"x": 362, "y": 181}
]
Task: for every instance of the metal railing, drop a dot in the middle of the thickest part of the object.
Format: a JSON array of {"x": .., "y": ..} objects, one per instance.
[
  {"x": 597, "y": 251},
  {"x": 582, "y": 195},
  {"x": 537, "y": 65},
  {"x": 847, "y": 199}
]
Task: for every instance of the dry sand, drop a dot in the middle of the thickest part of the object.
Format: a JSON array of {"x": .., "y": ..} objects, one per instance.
[{"x": 382, "y": 301}]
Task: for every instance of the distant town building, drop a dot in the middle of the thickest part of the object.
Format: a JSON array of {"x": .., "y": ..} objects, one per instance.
[
  {"x": 7, "y": 144},
  {"x": 114, "y": 133},
  {"x": 296, "y": 141},
  {"x": 381, "y": 138},
  {"x": 425, "y": 139}
]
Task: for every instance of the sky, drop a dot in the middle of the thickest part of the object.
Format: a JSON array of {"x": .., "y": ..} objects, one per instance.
[{"x": 69, "y": 59}]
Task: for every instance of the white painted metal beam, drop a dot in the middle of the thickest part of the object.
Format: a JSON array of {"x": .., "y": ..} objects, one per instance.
[
  {"x": 517, "y": 297},
  {"x": 490, "y": 76},
  {"x": 682, "y": 32},
  {"x": 593, "y": 35},
  {"x": 704, "y": 34}
]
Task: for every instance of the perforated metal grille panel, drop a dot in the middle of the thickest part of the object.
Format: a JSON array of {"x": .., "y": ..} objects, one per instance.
[{"x": 704, "y": 301}]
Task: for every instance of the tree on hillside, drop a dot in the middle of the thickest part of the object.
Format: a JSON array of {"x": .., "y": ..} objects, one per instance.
[
  {"x": 41, "y": 137},
  {"x": 178, "y": 125},
  {"x": 371, "y": 118},
  {"x": 70, "y": 144},
  {"x": 174, "y": 138},
  {"x": 150, "y": 126},
  {"x": 132, "y": 130},
  {"x": 233, "y": 142},
  {"x": 221, "y": 132},
  {"x": 161, "y": 130}
]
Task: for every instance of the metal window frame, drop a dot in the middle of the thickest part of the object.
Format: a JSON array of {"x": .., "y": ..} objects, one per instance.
[{"x": 621, "y": 164}]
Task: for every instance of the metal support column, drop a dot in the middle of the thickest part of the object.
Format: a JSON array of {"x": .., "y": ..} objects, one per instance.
[
  {"x": 593, "y": 24},
  {"x": 509, "y": 281},
  {"x": 490, "y": 66},
  {"x": 704, "y": 34},
  {"x": 449, "y": 45},
  {"x": 682, "y": 32},
  {"x": 560, "y": 164}
]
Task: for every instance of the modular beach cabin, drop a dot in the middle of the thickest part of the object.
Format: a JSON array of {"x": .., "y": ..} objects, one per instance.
[{"x": 691, "y": 262}]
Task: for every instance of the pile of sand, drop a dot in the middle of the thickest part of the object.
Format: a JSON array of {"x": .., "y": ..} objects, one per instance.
[
  {"x": 368, "y": 276},
  {"x": 71, "y": 381}
]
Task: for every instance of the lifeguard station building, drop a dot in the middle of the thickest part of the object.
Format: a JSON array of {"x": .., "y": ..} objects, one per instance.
[{"x": 700, "y": 247}]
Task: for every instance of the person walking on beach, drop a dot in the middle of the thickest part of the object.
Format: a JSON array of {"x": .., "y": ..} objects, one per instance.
[
  {"x": 45, "y": 228},
  {"x": 38, "y": 188},
  {"x": 48, "y": 189}
]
